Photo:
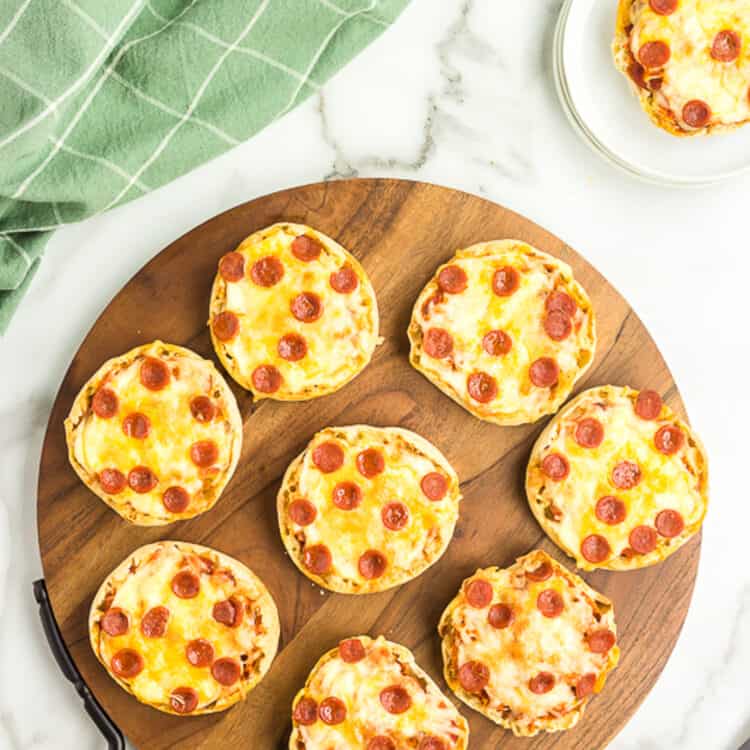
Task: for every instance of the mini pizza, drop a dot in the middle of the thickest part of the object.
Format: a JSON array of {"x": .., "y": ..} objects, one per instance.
[
  {"x": 528, "y": 645},
  {"x": 688, "y": 61},
  {"x": 363, "y": 509},
  {"x": 617, "y": 480},
  {"x": 156, "y": 434},
  {"x": 293, "y": 315},
  {"x": 184, "y": 628},
  {"x": 504, "y": 330},
  {"x": 371, "y": 694}
]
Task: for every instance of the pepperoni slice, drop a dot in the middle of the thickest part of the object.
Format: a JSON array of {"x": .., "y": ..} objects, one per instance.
[
  {"x": 380, "y": 742},
  {"x": 176, "y": 499},
  {"x": 479, "y": 593},
  {"x": 306, "y": 248},
  {"x": 500, "y": 616},
  {"x": 544, "y": 372},
  {"x": 482, "y": 387},
  {"x": 344, "y": 281},
  {"x": 267, "y": 271},
  {"x": 225, "y": 325},
  {"x": 127, "y": 663},
  {"x": 228, "y": 612},
  {"x": 154, "y": 622},
  {"x": 302, "y": 512},
  {"x": 317, "y": 559},
  {"x": 266, "y": 379},
  {"x": 558, "y": 301},
  {"x": 204, "y": 453},
  {"x": 199, "y": 652},
  {"x": 431, "y": 742},
  {"x": 434, "y": 486},
  {"x": 453, "y": 279},
  {"x": 550, "y": 603},
  {"x": 332, "y": 711},
  {"x": 542, "y": 573},
  {"x": 154, "y": 374},
  {"x": 232, "y": 267},
  {"x": 669, "y": 439},
  {"x": 112, "y": 481},
  {"x": 555, "y": 466},
  {"x": 202, "y": 409},
  {"x": 505, "y": 281},
  {"x": 141, "y": 479},
  {"x": 643, "y": 539},
  {"x": 292, "y": 347},
  {"x": 226, "y": 671},
  {"x": 696, "y": 113},
  {"x": 542, "y": 683},
  {"x": 637, "y": 72},
  {"x": 585, "y": 685},
  {"x": 115, "y": 622},
  {"x": 395, "y": 699},
  {"x": 438, "y": 343},
  {"x": 351, "y": 650},
  {"x": 433, "y": 300},
  {"x": 346, "y": 496},
  {"x": 473, "y": 676},
  {"x": 328, "y": 457},
  {"x": 370, "y": 463},
  {"x": 669, "y": 523},
  {"x": 600, "y": 641},
  {"x": 589, "y": 433},
  {"x": 654, "y": 54},
  {"x": 497, "y": 343},
  {"x": 395, "y": 516},
  {"x": 626, "y": 475},
  {"x": 610, "y": 510},
  {"x": 305, "y": 712},
  {"x": 557, "y": 325},
  {"x": 136, "y": 425},
  {"x": 664, "y": 7},
  {"x": 595, "y": 548},
  {"x": 726, "y": 46},
  {"x": 183, "y": 700},
  {"x": 105, "y": 403},
  {"x": 307, "y": 307},
  {"x": 372, "y": 564},
  {"x": 648, "y": 405},
  {"x": 186, "y": 584}
]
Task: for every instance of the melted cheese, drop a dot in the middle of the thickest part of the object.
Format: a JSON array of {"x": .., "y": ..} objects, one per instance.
[
  {"x": 339, "y": 344},
  {"x": 101, "y": 443},
  {"x": 469, "y": 315},
  {"x": 359, "y": 686},
  {"x": 165, "y": 664},
  {"x": 349, "y": 533},
  {"x": 691, "y": 72},
  {"x": 675, "y": 482},
  {"x": 532, "y": 643}
]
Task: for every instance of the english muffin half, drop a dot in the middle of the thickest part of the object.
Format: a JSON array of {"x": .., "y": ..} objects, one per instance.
[
  {"x": 155, "y": 433},
  {"x": 184, "y": 628},
  {"x": 363, "y": 509},
  {"x": 293, "y": 315},
  {"x": 504, "y": 330},
  {"x": 528, "y": 645},
  {"x": 617, "y": 480}
]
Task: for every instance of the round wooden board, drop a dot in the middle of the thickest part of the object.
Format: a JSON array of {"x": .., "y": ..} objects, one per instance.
[{"x": 400, "y": 231}]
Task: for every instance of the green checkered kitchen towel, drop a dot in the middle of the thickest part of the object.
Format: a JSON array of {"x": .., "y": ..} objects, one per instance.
[{"x": 104, "y": 100}]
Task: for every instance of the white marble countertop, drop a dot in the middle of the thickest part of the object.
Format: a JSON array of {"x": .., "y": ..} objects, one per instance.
[{"x": 458, "y": 92}]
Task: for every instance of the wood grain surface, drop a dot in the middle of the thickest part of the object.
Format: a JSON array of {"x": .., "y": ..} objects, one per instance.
[{"x": 400, "y": 231}]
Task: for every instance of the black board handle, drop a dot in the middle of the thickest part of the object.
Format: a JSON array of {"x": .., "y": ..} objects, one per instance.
[{"x": 107, "y": 727}]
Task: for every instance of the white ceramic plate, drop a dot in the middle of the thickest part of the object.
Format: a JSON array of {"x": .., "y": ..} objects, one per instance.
[{"x": 604, "y": 110}]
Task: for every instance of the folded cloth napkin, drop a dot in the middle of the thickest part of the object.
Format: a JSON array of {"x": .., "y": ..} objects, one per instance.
[{"x": 104, "y": 100}]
